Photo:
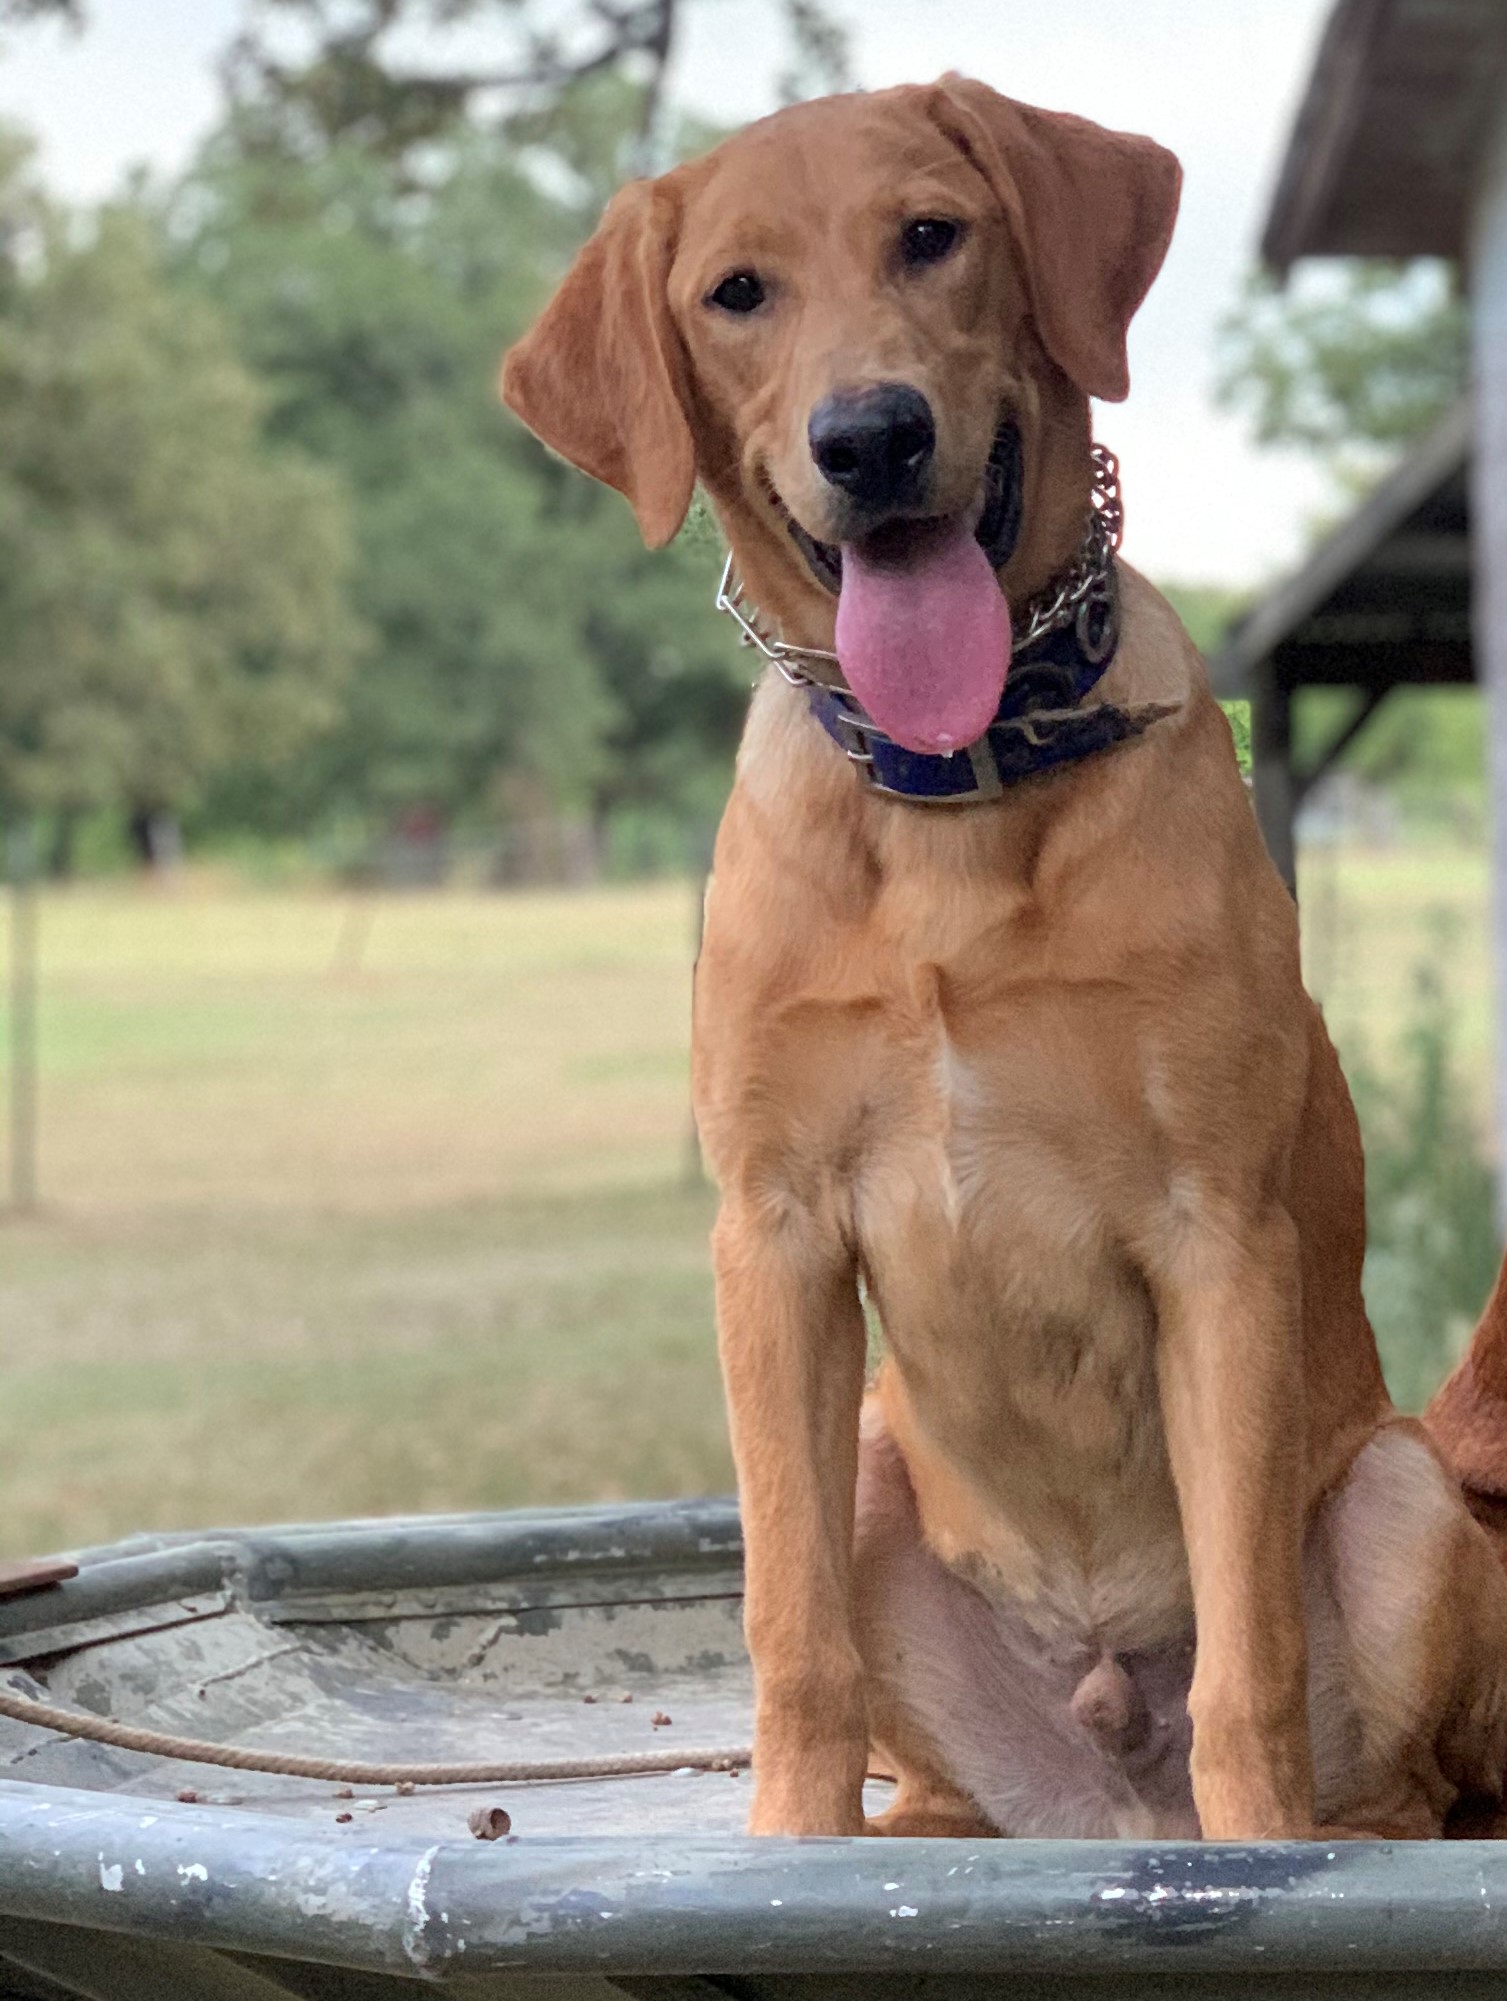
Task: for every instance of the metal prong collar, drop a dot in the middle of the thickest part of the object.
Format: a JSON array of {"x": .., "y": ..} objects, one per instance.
[{"x": 730, "y": 598}]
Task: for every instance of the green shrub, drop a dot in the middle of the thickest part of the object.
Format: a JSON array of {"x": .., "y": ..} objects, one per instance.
[{"x": 1432, "y": 1245}]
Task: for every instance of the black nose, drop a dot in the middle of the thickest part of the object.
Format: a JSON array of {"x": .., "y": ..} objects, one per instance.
[{"x": 875, "y": 444}]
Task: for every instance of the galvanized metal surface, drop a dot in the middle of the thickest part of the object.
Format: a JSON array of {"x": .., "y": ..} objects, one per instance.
[
  {"x": 490, "y": 1633},
  {"x": 696, "y": 1904},
  {"x": 529, "y": 1636}
]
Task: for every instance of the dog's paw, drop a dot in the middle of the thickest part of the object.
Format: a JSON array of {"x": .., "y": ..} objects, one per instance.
[
  {"x": 806, "y": 1824},
  {"x": 933, "y": 1823}
]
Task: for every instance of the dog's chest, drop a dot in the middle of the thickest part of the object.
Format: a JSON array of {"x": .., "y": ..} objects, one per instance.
[
  {"x": 1005, "y": 1154},
  {"x": 989, "y": 1198}
]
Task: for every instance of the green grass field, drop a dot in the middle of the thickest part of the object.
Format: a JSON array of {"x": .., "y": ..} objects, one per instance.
[
  {"x": 361, "y": 1205},
  {"x": 1372, "y": 918},
  {"x": 354, "y": 1207}
]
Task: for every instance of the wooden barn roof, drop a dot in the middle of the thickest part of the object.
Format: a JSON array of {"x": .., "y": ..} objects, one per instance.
[
  {"x": 1389, "y": 139},
  {"x": 1386, "y": 599}
]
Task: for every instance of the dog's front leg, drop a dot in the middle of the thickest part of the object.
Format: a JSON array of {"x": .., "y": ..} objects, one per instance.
[
  {"x": 1230, "y": 1373},
  {"x": 791, "y": 1334}
]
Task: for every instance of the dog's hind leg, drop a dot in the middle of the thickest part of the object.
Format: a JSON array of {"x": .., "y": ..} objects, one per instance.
[
  {"x": 887, "y": 1549},
  {"x": 1407, "y": 1624}
]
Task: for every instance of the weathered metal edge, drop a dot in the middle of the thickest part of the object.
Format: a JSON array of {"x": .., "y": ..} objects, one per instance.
[
  {"x": 220, "y": 1878},
  {"x": 418, "y": 1554},
  {"x": 260, "y": 1567},
  {"x": 75, "y": 1632},
  {"x": 198, "y": 1571},
  {"x": 502, "y": 1597}
]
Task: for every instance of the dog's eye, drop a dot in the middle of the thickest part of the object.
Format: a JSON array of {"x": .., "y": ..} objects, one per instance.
[
  {"x": 740, "y": 292},
  {"x": 928, "y": 239}
]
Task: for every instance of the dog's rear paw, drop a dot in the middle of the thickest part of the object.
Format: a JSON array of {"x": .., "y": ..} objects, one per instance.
[{"x": 933, "y": 1822}]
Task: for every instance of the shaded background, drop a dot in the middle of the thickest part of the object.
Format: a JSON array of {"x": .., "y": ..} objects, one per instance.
[{"x": 358, "y": 768}]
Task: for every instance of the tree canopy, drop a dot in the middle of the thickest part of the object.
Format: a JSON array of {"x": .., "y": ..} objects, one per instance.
[
  {"x": 528, "y": 656},
  {"x": 1348, "y": 362},
  {"x": 172, "y": 591},
  {"x": 393, "y": 75},
  {"x": 301, "y": 338}
]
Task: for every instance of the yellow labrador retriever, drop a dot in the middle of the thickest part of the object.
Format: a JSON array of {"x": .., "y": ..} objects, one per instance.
[{"x": 999, "y": 1025}]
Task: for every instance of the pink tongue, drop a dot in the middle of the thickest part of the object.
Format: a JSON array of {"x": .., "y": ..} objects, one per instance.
[{"x": 924, "y": 640}]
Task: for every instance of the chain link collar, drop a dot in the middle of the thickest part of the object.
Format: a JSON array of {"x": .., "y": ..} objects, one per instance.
[{"x": 1083, "y": 594}]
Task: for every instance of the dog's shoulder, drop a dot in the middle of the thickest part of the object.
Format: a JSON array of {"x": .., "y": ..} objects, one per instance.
[{"x": 1157, "y": 660}]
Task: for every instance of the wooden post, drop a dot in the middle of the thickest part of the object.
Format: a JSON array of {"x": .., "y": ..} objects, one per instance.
[
  {"x": 21, "y": 860},
  {"x": 1488, "y": 273},
  {"x": 1271, "y": 771}
]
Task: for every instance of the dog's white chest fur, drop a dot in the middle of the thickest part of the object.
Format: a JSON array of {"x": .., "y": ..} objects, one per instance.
[{"x": 1022, "y": 1339}]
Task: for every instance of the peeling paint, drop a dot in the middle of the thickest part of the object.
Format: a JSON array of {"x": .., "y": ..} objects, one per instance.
[
  {"x": 111, "y": 1874},
  {"x": 416, "y": 1913}
]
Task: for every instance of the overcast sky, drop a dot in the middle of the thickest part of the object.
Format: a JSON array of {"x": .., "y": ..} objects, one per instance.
[{"x": 1216, "y": 81}]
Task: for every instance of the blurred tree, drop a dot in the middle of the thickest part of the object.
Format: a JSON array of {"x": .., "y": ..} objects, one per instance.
[
  {"x": 399, "y": 74},
  {"x": 1207, "y": 610},
  {"x": 1347, "y": 363},
  {"x": 398, "y": 185},
  {"x": 529, "y": 658},
  {"x": 1426, "y": 746},
  {"x": 15, "y": 12},
  {"x": 171, "y": 591},
  {"x": 1432, "y": 1249}
]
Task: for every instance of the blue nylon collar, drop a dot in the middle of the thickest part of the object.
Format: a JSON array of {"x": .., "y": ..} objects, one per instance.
[{"x": 1040, "y": 725}]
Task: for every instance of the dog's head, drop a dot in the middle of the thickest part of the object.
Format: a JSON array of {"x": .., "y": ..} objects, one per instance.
[{"x": 871, "y": 326}]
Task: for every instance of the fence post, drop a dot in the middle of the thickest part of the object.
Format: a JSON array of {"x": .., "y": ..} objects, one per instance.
[{"x": 21, "y": 867}]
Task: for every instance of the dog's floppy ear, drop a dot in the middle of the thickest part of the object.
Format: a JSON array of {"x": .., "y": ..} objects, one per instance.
[
  {"x": 1091, "y": 211},
  {"x": 599, "y": 376}
]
